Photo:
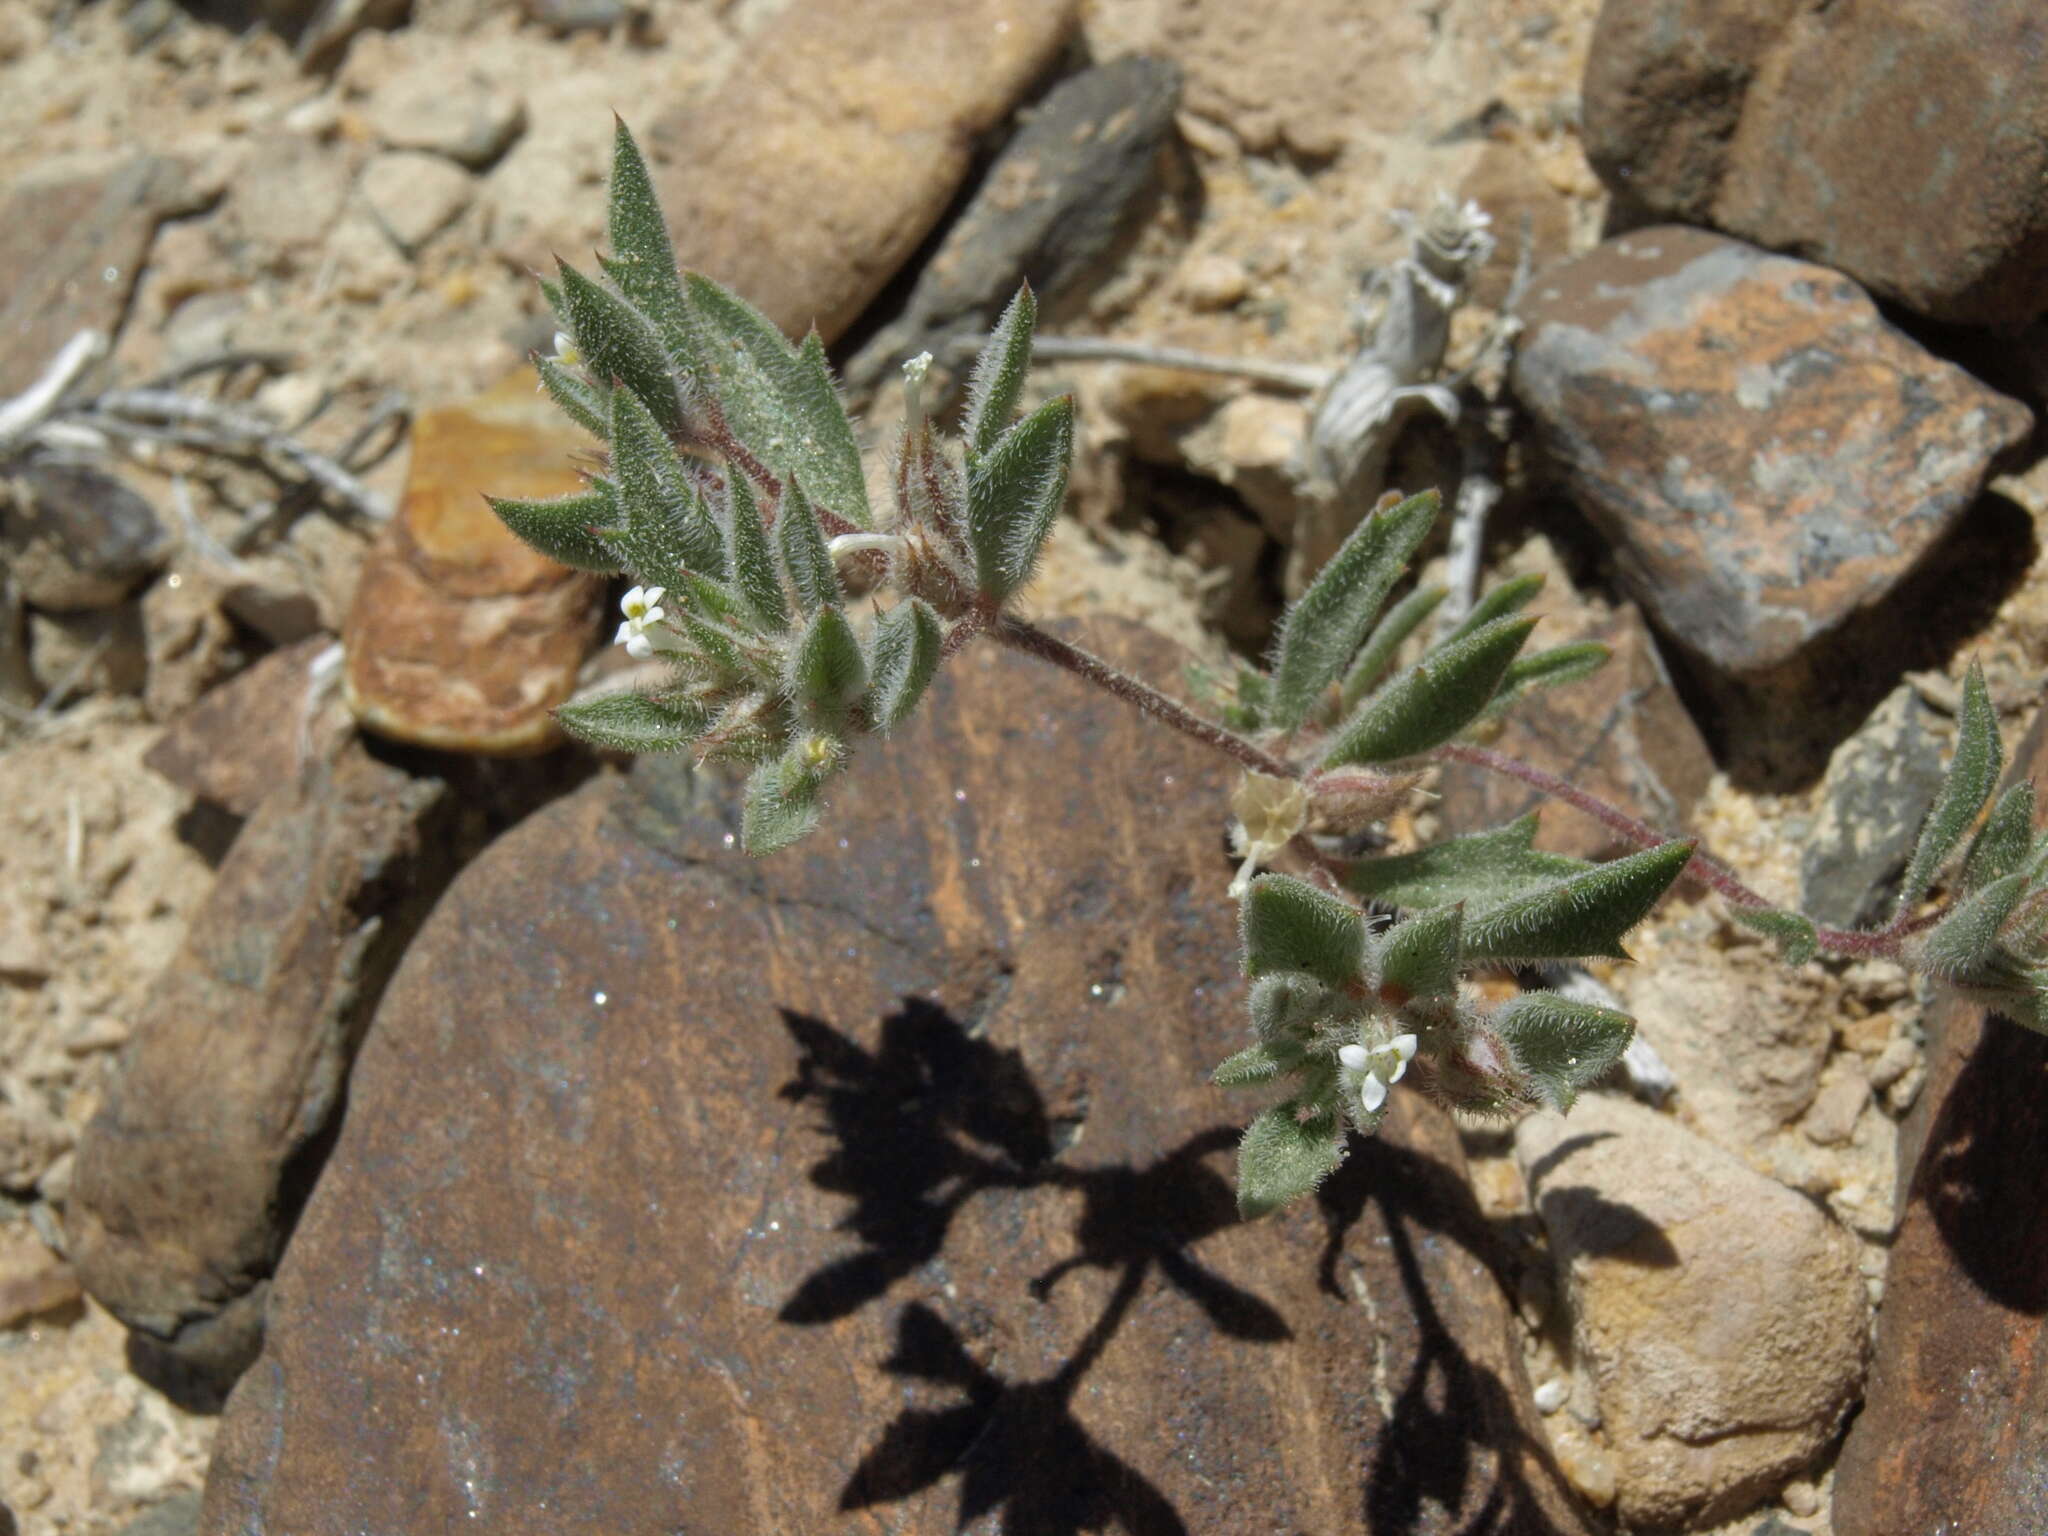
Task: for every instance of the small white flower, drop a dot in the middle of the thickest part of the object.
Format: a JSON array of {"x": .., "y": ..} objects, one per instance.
[
  {"x": 566, "y": 352},
  {"x": 1378, "y": 1068},
  {"x": 914, "y": 373},
  {"x": 643, "y": 610}
]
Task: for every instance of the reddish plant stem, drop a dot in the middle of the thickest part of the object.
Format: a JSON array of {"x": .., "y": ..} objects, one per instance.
[
  {"x": 971, "y": 623},
  {"x": 1703, "y": 867},
  {"x": 1020, "y": 636}
]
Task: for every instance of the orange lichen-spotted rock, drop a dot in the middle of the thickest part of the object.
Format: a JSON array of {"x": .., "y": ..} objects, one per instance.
[{"x": 461, "y": 637}]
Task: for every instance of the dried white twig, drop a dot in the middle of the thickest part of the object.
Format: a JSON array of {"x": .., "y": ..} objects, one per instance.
[{"x": 20, "y": 415}]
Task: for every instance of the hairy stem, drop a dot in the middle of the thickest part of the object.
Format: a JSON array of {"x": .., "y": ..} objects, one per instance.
[
  {"x": 1703, "y": 867},
  {"x": 1033, "y": 641}
]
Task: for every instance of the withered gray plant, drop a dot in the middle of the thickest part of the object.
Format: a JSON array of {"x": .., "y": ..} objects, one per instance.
[{"x": 735, "y": 496}]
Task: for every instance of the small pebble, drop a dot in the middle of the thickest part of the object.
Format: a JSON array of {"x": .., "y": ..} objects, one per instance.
[{"x": 1551, "y": 1395}]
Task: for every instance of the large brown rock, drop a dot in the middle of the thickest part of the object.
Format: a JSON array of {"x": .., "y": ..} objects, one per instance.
[
  {"x": 461, "y": 637},
  {"x": 1904, "y": 142},
  {"x": 1768, "y": 458},
  {"x": 247, "y": 736},
  {"x": 826, "y": 156},
  {"x": 1954, "y": 1428},
  {"x": 877, "y": 1184},
  {"x": 182, "y": 1191}
]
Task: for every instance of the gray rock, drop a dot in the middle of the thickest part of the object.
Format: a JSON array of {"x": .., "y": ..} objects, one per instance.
[
  {"x": 1049, "y": 211},
  {"x": 177, "y": 1515},
  {"x": 181, "y": 1195},
  {"x": 75, "y": 536},
  {"x": 1879, "y": 786},
  {"x": 18, "y": 684},
  {"x": 466, "y": 118},
  {"x": 1768, "y": 458},
  {"x": 102, "y": 650},
  {"x": 1905, "y": 143},
  {"x": 1722, "y": 1316},
  {"x": 414, "y": 196}
]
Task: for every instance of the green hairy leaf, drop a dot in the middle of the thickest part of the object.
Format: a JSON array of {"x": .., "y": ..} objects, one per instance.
[
  {"x": 782, "y": 803},
  {"x": 1972, "y": 774},
  {"x": 564, "y": 528},
  {"x": 1510, "y": 597},
  {"x": 1433, "y": 700},
  {"x": 634, "y": 722},
  {"x": 618, "y": 345},
  {"x": 1548, "y": 669},
  {"x": 1256, "y": 1064},
  {"x": 643, "y": 262},
  {"x": 805, "y": 555},
  {"x": 1322, "y": 630},
  {"x": 2001, "y": 847},
  {"x": 906, "y": 655},
  {"x": 1562, "y": 1045},
  {"x": 999, "y": 373},
  {"x": 580, "y": 401},
  {"x": 748, "y": 556},
  {"x": 827, "y": 672},
  {"x": 1795, "y": 936},
  {"x": 1421, "y": 956},
  {"x": 1964, "y": 945},
  {"x": 668, "y": 528},
  {"x": 1285, "y": 1002},
  {"x": 1482, "y": 870},
  {"x": 1281, "y": 1158},
  {"x": 1013, "y": 493},
  {"x": 1377, "y": 654},
  {"x": 1289, "y": 925},
  {"x": 1584, "y": 915},
  {"x": 780, "y": 400}
]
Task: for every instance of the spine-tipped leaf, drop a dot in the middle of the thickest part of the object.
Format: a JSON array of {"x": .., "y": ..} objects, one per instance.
[
  {"x": 1421, "y": 957},
  {"x": 1013, "y": 493},
  {"x": 619, "y": 345},
  {"x": 749, "y": 557},
  {"x": 1583, "y": 916},
  {"x": 566, "y": 528},
  {"x": 1510, "y": 597},
  {"x": 1964, "y": 945},
  {"x": 1547, "y": 669},
  {"x": 1284, "y": 1157},
  {"x": 1433, "y": 700},
  {"x": 1322, "y": 630},
  {"x": 1377, "y": 654},
  {"x": 780, "y": 399},
  {"x": 1289, "y": 925},
  {"x": 1482, "y": 870},
  {"x": 906, "y": 655},
  {"x": 1972, "y": 775},
  {"x": 634, "y": 722},
  {"x": 1255, "y": 1064},
  {"x": 827, "y": 672},
  {"x": 643, "y": 262},
  {"x": 1562, "y": 1045},
  {"x": 805, "y": 555},
  {"x": 668, "y": 528},
  {"x": 1286, "y": 1002},
  {"x": 780, "y": 806},
  {"x": 581, "y": 401},
  {"x": 2001, "y": 847},
  {"x": 1797, "y": 939},
  {"x": 999, "y": 374}
]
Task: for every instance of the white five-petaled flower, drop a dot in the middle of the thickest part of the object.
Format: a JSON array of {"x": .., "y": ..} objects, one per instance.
[
  {"x": 639, "y": 634},
  {"x": 1378, "y": 1068}
]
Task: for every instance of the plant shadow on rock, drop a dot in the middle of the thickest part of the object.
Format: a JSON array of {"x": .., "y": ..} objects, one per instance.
[
  {"x": 934, "y": 1117},
  {"x": 1450, "y": 1411}
]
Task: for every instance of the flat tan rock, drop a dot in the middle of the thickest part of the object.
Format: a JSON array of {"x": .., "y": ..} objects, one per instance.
[
  {"x": 826, "y": 156},
  {"x": 461, "y": 637}
]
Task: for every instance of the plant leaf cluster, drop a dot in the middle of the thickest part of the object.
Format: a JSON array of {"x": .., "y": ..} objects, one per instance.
[{"x": 735, "y": 493}]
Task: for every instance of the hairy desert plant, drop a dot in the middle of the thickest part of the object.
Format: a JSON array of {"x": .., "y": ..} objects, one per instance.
[{"x": 736, "y": 497}]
